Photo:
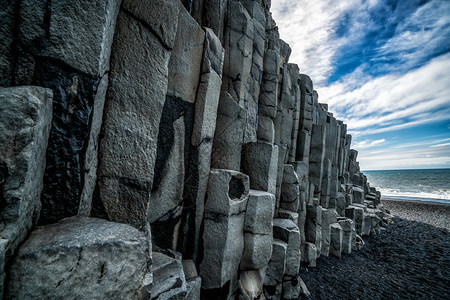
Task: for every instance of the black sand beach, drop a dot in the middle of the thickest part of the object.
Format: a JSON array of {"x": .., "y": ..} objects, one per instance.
[{"x": 408, "y": 260}]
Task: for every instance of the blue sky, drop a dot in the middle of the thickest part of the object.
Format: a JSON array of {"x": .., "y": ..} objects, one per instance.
[{"x": 383, "y": 66}]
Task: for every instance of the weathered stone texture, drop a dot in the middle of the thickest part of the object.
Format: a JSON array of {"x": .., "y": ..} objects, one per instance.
[
  {"x": 227, "y": 146},
  {"x": 82, "y": 258},
  {"x": 258, "y": 230},
  {"x": 259, "y": 162},
  {"x": 25, "y": 120},
  {"x": 223, "y": 236},
  {"x": 70, "y": 31},
  {"x": 133, "y": 110}
]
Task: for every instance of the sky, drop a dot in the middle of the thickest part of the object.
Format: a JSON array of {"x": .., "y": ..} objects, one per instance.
[{"x": 383, "y": 67}]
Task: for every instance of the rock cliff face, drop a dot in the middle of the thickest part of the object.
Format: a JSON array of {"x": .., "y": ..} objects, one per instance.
[{"x": 184, "y": 127}]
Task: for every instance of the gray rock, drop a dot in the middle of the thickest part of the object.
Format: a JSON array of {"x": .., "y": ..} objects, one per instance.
[
  {"x": 310, "y": 254},
  {"x": 91, "y": 156},
  {"x": 258, "y": 230},
  {"x": 82, "y": 258},
  {"x": 302, "y": 170},
  {"x": 6, "y": 42},
  {"x": 268, "y": 98},
  {"x": 227, "y": 146},
  {"x": 367, "y": 225},
  {"x": 223, "y": 234},
  {"x": 79, "y": 37},
  {"x": 336, "y": 239},
  {"x": 326, "y": 181},
  {"x": 290, "y": 197},
  {"x": 168, "y": 194},
  {"x": 189, "y": 269},
  {"x": 313, "y": 226},
  {"x": 158, "y": 15},
  {"x": 303, "y": 146},
  {"x": 266, "y": 129},
  {"x": 357, "y": 215},
  {"x": 185, "y": 59},
  {"x": 259, "y": 213},
  {"x": 347, "y": 228},
  {"x": 259, "y": 161},
  {"x": 214, "y": 16},
  {"x": 206, "y": 105},
  {"x": 292, "y": 287},
  {"x": 358, "y": 195},
  {"x": 288, "y": 232},
  {"x": 277, "y": 264},
  {"x": 168, "y": 276},
  {"x": 287, "y": 214},
  {"x": 193, "y": 287},
  {"x": 25, "y": 120},
  {"x": 3, "y": 260},
  {"x": 328, "y": 217},
  {"x": 133, "y": 110},
  {"x": 238, "y": 44},
  {"x": 316, "y": 157}
]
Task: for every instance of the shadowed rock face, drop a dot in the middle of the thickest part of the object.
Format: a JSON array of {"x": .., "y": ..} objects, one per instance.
[
  {"x": 3, "y": 177},
  {"x": 73, "y": 100},
  {"x": 82, "y": 258}
]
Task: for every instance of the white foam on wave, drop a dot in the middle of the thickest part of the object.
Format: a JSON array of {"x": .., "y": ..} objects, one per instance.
[{"x": 439, "y": 194}]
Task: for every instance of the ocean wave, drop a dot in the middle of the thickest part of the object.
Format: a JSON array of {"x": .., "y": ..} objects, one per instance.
[{"x": 437, "y": 194}]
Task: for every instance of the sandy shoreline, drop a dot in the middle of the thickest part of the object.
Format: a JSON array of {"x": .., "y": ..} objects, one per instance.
[{"x": 410, "y": 259}]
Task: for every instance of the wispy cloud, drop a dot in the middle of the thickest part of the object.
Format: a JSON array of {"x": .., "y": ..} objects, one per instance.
[
  {"x": 368, "y": 143},
  {"x": 382, "y": 66}
]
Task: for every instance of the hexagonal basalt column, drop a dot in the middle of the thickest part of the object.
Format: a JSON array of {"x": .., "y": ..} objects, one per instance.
[{"x": 223, "y": 235}]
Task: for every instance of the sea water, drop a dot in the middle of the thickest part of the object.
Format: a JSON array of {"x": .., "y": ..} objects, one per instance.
[{"x": 416, "y": 185}]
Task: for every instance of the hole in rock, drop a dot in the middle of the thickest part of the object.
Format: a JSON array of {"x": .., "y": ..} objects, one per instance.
[{"x": 236, "y": 188}]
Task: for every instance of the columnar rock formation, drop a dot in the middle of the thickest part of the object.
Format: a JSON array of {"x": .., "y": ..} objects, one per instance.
[{"x": 169, "y": 145}]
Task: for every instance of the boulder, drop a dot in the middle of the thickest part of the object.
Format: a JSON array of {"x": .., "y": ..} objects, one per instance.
[
  {"x": 25, "y": 119},
  {"x": 83, "y": 257},
  {"x": 168, "y": 276}
]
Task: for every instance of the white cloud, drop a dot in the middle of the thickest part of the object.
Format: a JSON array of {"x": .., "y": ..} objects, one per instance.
[
  {"x": 370, "y": 105},
  {"x": 368, "y": 144},
  {"x": 419, "y": 158},
  {"x": 308, "y": 28},
  {"x": 393, "y": 102}
]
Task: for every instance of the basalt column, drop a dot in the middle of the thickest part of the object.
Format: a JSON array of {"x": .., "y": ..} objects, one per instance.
[{"x": 67, "y": 49}]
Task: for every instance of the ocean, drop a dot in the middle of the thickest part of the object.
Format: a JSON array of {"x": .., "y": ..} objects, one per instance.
[{"x": 424, "y": 185}]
